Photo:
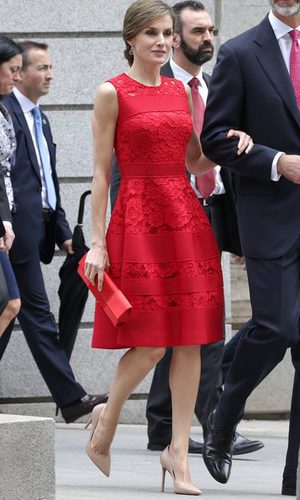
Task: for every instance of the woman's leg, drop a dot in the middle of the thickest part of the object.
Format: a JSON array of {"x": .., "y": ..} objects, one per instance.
[
  {"x": 10, "y": 312},
  {"x": 184, "y": 385},
  {"x": 132, "y": 368}
]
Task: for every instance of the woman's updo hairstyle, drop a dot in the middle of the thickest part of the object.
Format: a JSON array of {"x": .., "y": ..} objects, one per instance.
[
  {"x": 8, "y": 49},
  {"x": 138, "y": 16}
]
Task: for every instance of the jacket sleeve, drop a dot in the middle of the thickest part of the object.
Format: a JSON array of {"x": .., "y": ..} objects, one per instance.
[
  {"x": 4, "y": 207},
  {"x": 63, "y": 231},
  {"x": 225, "y": 111}
]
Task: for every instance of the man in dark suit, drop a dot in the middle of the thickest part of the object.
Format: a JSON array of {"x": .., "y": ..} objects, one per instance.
[
  {"x": 253, "y": 88},
  {"x": 193, "y": 46},
  {"x": 39, "y": 222}
]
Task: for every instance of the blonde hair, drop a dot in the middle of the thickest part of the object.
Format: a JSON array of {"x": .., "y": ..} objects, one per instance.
[{"x": 138, "y": 15}]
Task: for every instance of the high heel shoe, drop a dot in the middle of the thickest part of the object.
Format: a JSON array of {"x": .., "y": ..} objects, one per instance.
[
  {"x": 179, "y": 486},
  {"x": 101, "y": 460}
]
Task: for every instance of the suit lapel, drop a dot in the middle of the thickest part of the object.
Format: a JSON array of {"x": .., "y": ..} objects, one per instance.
[
  {"x": 19, "y": 115},
  {"x": 206, "y": 78},
  {"x": 166, "y": 70},
  {"x": 270, "y": 57}
]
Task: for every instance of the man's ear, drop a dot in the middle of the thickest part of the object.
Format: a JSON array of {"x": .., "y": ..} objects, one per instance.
[{"x": 176, "y": 41}]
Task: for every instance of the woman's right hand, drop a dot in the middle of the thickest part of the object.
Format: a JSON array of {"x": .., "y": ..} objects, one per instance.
[
  {"x": 95, "y": 263},
  {"x": 7, "y": 240}
]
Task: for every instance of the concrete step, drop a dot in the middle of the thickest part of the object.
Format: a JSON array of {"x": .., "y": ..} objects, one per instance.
[{"x": 27, "y": 458}]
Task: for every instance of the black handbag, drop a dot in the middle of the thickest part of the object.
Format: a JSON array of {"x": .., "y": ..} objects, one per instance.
[{"x": 4, "y": 297}]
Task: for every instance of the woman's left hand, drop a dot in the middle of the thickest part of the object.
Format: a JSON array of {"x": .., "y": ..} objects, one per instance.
[{"x": 245, "y": 143}]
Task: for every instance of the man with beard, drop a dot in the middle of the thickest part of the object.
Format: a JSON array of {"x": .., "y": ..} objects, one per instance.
[
  {"x": 256, "y": 86},
  {"x": 192, "y": 47}
]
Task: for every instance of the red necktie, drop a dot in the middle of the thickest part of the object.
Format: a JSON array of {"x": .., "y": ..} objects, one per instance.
[
  {"x": 205, "y": 183},
  {"x": 295, "y": 64}
]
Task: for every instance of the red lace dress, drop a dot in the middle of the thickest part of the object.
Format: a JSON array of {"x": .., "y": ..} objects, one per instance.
[{"x": 162, "y": 251}]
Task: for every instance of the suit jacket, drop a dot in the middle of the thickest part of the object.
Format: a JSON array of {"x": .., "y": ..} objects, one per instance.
[
  {"x": 231, "y": 240},
  {"x": 31, "y": 231},
  {"x": 251, "y": 90}
]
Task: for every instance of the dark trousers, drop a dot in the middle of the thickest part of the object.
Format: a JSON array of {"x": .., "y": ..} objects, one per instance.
[
  {"x": 291, "y": 459},
  {"x": 275, "y": 298},
  {"x": 230, "y": 350},
  {"x": 38, "y": 325},
  {"x": 159, "y": 406}
]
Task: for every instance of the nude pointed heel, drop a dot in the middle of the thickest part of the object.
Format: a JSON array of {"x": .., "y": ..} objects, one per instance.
[
  {"x": 180, "y": 487},
  {"x": 88, "y": 423},
  {"x": 163, "y": 478},
  {"x": 101, "y": 460}
]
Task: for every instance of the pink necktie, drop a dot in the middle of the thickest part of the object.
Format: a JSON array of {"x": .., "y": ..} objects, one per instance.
[
  {"x": 205, "y": 183},
  {"x": 295, "y": 64}
]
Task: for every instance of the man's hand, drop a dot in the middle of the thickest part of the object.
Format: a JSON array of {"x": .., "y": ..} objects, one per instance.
[
  {"x": 67, "y": 247},
  {"x": 239, "y": 260},
  {"x": 7, "y": 240},
  {"x": 289, "y": 167}
]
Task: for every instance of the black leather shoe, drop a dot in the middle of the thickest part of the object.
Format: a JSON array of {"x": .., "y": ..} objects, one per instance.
[
  {"x": 242, "y": 445},
  {"x": 83, "y": 407},
  {"x": 288, "y": 487},
  {"x": 194, "y": 446},
  {"x": 217, "y": 451}
]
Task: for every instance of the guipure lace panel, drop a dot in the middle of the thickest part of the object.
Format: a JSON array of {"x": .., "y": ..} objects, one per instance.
[{"x": 144, "y": 204}]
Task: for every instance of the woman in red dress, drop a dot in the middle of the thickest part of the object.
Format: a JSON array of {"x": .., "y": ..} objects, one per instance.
[{"x": 159, "y": 247}]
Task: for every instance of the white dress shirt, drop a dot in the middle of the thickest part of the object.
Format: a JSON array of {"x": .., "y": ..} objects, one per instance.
[
  {"x": 185, "y": 77},
  {"x": 27, "y": 107},
  {"x": 281, "y": 31}
]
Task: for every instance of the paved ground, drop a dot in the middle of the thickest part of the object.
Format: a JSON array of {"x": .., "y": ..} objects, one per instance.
[{"x": 136, "y": 471}]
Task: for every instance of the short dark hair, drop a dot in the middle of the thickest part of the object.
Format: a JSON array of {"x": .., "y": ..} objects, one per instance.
[
  {"x": 27, "y": 46},
  {"x": 178, "y": 8},
  {"x": 8, "y": 49}
]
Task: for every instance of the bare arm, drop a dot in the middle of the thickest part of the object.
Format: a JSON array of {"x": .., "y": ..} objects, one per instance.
[
  {"x": 104, "y": 121},
  {"x": 196, "y": 161}
]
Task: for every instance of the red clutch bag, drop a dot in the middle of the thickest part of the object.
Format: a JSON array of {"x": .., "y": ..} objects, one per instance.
[{"x": 111, "y": 299}]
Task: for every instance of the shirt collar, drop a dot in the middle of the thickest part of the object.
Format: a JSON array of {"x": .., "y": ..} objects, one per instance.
[
  {"x": 182, "y": 74},
  {"x": 280, "y": 29},
  {"x": 26, "y": 104}
]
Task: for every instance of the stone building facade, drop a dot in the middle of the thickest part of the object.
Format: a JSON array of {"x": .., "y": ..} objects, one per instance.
[{"x": 86, "y": 45}]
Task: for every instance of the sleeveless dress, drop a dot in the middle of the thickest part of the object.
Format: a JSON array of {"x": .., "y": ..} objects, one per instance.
[{"x": 163, "y": 254}]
